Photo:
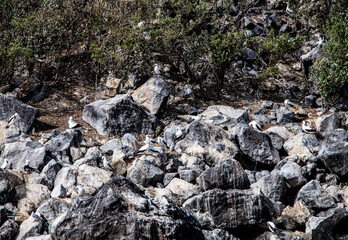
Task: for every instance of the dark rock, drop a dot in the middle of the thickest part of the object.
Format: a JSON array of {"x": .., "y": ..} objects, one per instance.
[
  {"x": 328, "y": 123},
  {"x": 277, "y": 141},
  {"x": 49, "y": 173},
  {"x": 120, "y": 210},
  {"x": 32, "y": 89},
  {"x": 109, "y": 147},
  {"x": 117, "y": 116},
  {"x": 334, "y": 152},
  {"x": 285, "y": 29},
  {"x": 228, "y": 209},
  {"x": 10, "y": 106},
  {"x": 256, "y": 146},
  {"x": 8, "y": 230},
  {"x": 224, "y": 174},
  {"x": 153, "y": 94},
  {"x": 168, "y": 178},
  {"x": 315, "y": 197},
  {"x": 307, "y": 59},
  {"x": 310, "y": 100},
  {"x": 273, "y": 186},
  {"x": 285, "y": 116},
  {"x": 250, "y": 54},
  {"x": 52, "y": 208},
  {"x": 218, "y": 234},
  {"x": 188, "y": 175},
  {"x": 292, "y": 172},
  {"x": 7, "y": 190}
]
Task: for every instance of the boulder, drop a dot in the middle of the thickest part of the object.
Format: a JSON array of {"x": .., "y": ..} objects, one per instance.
[
  {"x": 9, "y": 229},
  {"x": 218, "y": 234},
  {"x": 207, "y": 142},
  {"x": 7, "y": 190},
  {"x": 92, "y": 177},
  {"x": 315, "y": 197},
  {"x": 334, "y": 152},
  {"x": 188, "y": 175},
  {"x": 117, "y": 116},
  {"x": 285, "y": 116},
  {"x": 31, "y": 196},
  {"x": 229, "y": 209},
  {"x": 296, "y": 216},
  {"x": 282, "y": 131},
  {"x": 182, "y": 188},
  {"x": 327, "y": 124},
  {"x": 121, "y": 210},
  {"x": 18, "y": 152},
  {"x": 10, "y": 106},
  {"x": 256, "y": 146},
  {"x": 301, "y": 145},
  {"x": 52, "y": 208},
  {"x": 292, "y": 172},
  {"x": 224, "y": 174},
  {"x": 49, "y": 173},
  {"x": 66, "y": 177},
  {"x": 153, "y": 94},
  {"x": 225, "y": 116},
  {"x": 30, "y": 227}
]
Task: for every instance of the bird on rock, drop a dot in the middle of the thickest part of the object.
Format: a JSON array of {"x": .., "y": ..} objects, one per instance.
[
  {"x": 306, "y": 127},
  {"x": 13, "y": 120},
  {"x": 4, "y": 165},
  {"x": 272, "y": 227},
  {"x": 187, "y": 91},
  {"x": 28, "y": 167},
  {"x": 73, "y": 125},
  {"x": 107, "y": 164},
  {"x": 157, "y": 69},
  {"x": 255, "y": 125},
  {"x": 289, "y": 104},
  {"x": 288, "y": 10}
]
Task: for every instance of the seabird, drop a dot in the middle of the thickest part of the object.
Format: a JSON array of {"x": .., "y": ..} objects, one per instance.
[
  {"x": 28, "y": 167},
  {"x": 79, "y": 190},
  {"x": 307, "y": 128},
  {"x": 37, "y": 217},
  {"x": 196, "y": 118},
  {"x": 289, "y": 104},
  {"x": 4, "y": 165},
  {"x": 106, "y": 164},
  {"x": 146, "y": 36},
  {"x": 187, "y": 91},
  {"x": 148, "y": 139},
  {"x": 178, "y": 133},
  {"x": 13, "y": 120},
  {"x": 157, "y": 69},
  {"x": 272, "y": 227},
  {"x": 141, "y": 24},
  {"x": 160, "y": 140},
  {"x": 73, "y": 125},
  {"x": 255, "y": 125},
  {"x": 288, "y": 10},
  {"x": 147, "y": 146}
]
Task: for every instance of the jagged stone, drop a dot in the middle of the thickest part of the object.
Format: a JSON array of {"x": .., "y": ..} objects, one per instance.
[
  {"x": 66, "y": 177},
  {"x": 224, "y": 174},
  {"x": 52, "y": 208},
  {"x": 7, "y": 190},
  {"x": 218, "y": 234},
  {"x": 301, "y": 145},
  {"x": 296, "y": 216},
  {"x": 188, "y": 175},
  {"x": 130, "y": 213},
  {"x": 326, "y": 124},
  {"x": 92, "y": 177},
  {"x": 9, "y": 229},
  {"x": 285, "y": 116},
  {"x": 49, "y": 173},
  {"x": 117, "y": 116},
  {"x": 30, "y": 196},
  {"x": 153, "y": 94},
  {"x": 228, "y": 209},
  {"x": 30, "y": 227},
  {"x": 292, "y": 172}
]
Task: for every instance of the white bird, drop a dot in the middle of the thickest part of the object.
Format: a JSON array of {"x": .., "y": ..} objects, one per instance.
[
  {"x": 13, "y": 120},
  {"x": 255, "y": 125},
  {"x": 4, "y": 165},
  {"x": 288, "y": 10},
  {"x": 178, "y": 133},
  {"x": 27, "y": 166},
  {"x": 160, "y": 140},
  {"x": 146, "y": 36},
  {"x": 148, "y": 139},
  {"x": 289, "y": 104},
  {"x": 272, "y": 227},
  {"x": 196, "y": 118},
  {"x": 37, "y": 217},
  {"x": 157, "y": 69},
  {"x": 147, "y": 146},
  {"x": 187, "y": 91},
  {"x": 141, "y": 24},
  {"x": 106, "y": 164},
  {"x": 79, "y": 190},
  {"x": 320, "y": 42},
  {"x": 307, "y": 128},
  {"x": 73, "y": 124}
]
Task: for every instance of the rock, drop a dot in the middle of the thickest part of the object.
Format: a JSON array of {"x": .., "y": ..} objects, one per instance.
[
  {"x": 58, "y": 192},
  {"x": 218, "y": 234},
  {"x": 59, "y": 145},
  {"x": 173, "y": 134},
  {"x": 182, "y": 188},
  {"x": 109, "y": 147},
  {"x": 272, "y": 186},
  {"x": 153, "y": 94},
  {"x": 296, "y": 216},
  {"x": 334, "y": 152},
  {"x": 307, "y": 59},
  {"x": 28, "y": 228},
  {"x": 260, "y": 116},
  {"x": 256, "y": 146},
  {"x": 92, "y": 177},
  {"x": 292, "y": 172},
  {"x": 276, "y": 140},
  {"x": 285, "y": 116},
  {"x": 224, "y": 116},
  {"x": 301, "y": 145},
  {"x": 250, "y": 54},
  {"x": 31, "y": 196},
  {"x": 66, "y": 177},
  {"x": 328, "y": 225},
  {"x": 191, "y": 162},
  {"x": 7, "y": 190},
  {"x": 282, "y": 131},
  {"x": 130, "y": 213},
  {"x": 224, "y": 174},
  {"x": 327, "y": 124},
  {"x": 310, "y": 100},
  {"x": 315, "y": 197},
  {"x": 49, "y": 173},
  {"x": 9, "y": 229},
  {"x": 18, "y": 152},
  {"x": 52, "y": 208},
  {"x": 32, "y": 90},
  {"x": 207, "y": 142},
  {"x": 41, "y": 237},
  {"x": 112, "y": 84},
  {"x": 10, "y": 106},
  {"x": 229, "y": 209},
  {"x": 117, "y": 116},
  {"x": 145, "y": 171},
  {"x": 188, "y": 175}
]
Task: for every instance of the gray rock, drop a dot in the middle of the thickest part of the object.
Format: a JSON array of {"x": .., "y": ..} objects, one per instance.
[
  {"x": 315, "y": 197},
  {"x": 256, "y": 146},
  {"x": 228, "y": 209},
  {"x": 128, "y": 140},
  {"x": 272, "y": 186},
  {"x": 173, "y": 134},
  {"x": 130, "y": 213},
  {"x": 10, "y": 106},
  {"x": 109, "y": 147},
  {"x": 225, "y": 116},
  {"x": 59, "y": 145},
  {"x": 334, "y": 152},
  {"x": 168, "y": 177},
  {"x": 260, "y": 116},
  {"x": 94, "y": 153},
  {"x": 324, "y": 225},
  {"x": 153, "y": 94},
  {"x": 285, "y": 116},
  {"x": 327, "y": 124},
  {"x": 28, "y": 228},
  {"x": 282, "y": 131},
  {"x": 18, "y": 152},
  {"x": 9, "y": 229},
  {"x": 7, "y": 190},
  {"x": 302, "y": 145},
  {"x": 41, "y": 237},
  {"x": 49, "y": 173},
  {"x": 144, "y": 172},
  {"x": 182, "y": 189},
  {"x": 52, "y": 208},
  {"x": 250, "y": 54},
  {"x": 218, "y": 234},
  {"x": 276, "y": 140},
  {"x": 117, "y": 116},
  {"x": 188, "y": 175},
  {"x": 66, "y": 177},
  {"x": 92, "y": 177},
  {"x": 307, "y": 59},
  {"x": 224, "y": 174},
  {"x": 30, "y": 196},
  {"x": 296, "y": 216},
  {"x": 58, "y": 192},
  {"x": 292, "y": 172},
  {"x": 310, "y": 100},
  {"x": 207, "y": 142}
]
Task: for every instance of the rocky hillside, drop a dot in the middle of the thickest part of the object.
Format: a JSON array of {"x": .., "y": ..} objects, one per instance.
[{"x": 173, "y": 120}]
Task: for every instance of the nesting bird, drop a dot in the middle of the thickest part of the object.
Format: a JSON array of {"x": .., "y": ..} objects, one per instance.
[
  {"x": 4, "y": 165},
  {"x": 187, "y": 91},
  {"x": 28, "y": 167},
  {"x": 73, "y": 125},
  {"x": 147, "y": 145},
  {"x": 13, "y": 120},
  {"x": 307, "y": 128},
  {"x": 157, "y": 69},
  {"x": 107, "y": 164},
  {"x": 255, "y": 125},
  {"x": 288, "y": 10},
  {"x": 272, "y": 227},
  {"x": 290, "y": 104}
]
